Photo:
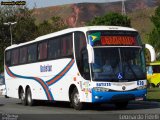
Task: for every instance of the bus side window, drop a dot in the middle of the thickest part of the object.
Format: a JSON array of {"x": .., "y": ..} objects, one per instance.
[
  {"x": 42, "y": 51},
  {"x": 8, "y": 58},
  {"x": 81, "y": 55},
  {"x": 69, "y": 45},
  {"x": 15, "y": 57},
  {"x": 66, "y": 46},
  {"x": 63, "y": 46},
  {"x": 52, "y": 48},
  {"x": 84, "y": 62},
  {"x": 32, "y": 53},
  {"x": 23, "y": 55}
]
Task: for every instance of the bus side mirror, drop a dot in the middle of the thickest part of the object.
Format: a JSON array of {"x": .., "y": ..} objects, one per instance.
[
  {"x": 90, "y": 54},
  {"x": 152, "y": 52}
]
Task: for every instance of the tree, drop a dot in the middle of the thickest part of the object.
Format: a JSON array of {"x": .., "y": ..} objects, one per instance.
[
  {"x": 113, "y": 19},
  {"x": 26, "y": 29},
  {"x": 21, "y": 32},
  {"x": 154, "y": 36},
  {"x": 48, "y": 26}
]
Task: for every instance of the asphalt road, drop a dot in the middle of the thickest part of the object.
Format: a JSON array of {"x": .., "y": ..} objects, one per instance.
[{"x": 10, "y": 107}]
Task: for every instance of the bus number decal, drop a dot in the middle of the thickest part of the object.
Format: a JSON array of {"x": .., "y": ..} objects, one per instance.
[
  {"x": 140, "y": 83},
  {"x": 103, "y": 84}
]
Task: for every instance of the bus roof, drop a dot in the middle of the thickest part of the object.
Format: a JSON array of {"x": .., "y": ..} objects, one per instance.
[
  {"x": 68, "y": 30},
  {"x": 154, "y": 63}
]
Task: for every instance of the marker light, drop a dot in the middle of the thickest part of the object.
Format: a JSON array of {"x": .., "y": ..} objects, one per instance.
[
  {"x": 142, "y": 87},
  {"x": 100, "y": 89}
]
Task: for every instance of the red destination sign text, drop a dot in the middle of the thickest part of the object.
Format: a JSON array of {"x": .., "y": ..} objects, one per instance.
[{"x": 117, "y": 40}]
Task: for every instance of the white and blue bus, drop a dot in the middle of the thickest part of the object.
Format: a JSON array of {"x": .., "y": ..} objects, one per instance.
[{"x": 94, "y": 64}]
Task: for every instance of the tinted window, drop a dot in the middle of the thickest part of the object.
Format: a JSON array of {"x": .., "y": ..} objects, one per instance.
[
  {"x": 15, "y": 57},
  {"x": 66, "y": 45},
  {"x": 23, "y": 55},
  {"x": 53, "y": 48},
  {"x": 42, "y": 51},
  {"x": 81, "y": 55},
  {"x": 60, "y": 47},
  {"x": 8, "y": 58},
  {"x": 80, "y": 42},
  {"x": 32, "y": 53}
]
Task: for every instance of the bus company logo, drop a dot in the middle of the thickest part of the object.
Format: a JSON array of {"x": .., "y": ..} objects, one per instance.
[
  {"x": 123, "y": 88},
  {"x": 45, "y": 68}
]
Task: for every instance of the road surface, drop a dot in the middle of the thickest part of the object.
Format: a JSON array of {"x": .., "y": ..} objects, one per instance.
[{"x": 10, "y": 107}]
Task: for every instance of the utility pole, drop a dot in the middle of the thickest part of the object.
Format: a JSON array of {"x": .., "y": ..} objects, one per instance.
[
  {"x": 123, "y": 8},
  {"x": 10, "y": 28}
]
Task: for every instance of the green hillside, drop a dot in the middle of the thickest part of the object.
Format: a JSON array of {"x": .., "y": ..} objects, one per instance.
[
  {"x": 76, "y": 15},
  {"x": 140, "y": 20}
]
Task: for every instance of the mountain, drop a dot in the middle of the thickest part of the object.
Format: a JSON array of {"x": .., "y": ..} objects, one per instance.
[{"x": 78, "y": 14}]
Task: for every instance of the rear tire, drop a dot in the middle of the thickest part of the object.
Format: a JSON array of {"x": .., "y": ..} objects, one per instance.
[
  {"x": 6, "y": 96},
  {"x": 23, "y": 97},
  {"x": 29, "y": 99},
  {"x": 75, "y": 100},
  {"x": 121, "y": 105}
]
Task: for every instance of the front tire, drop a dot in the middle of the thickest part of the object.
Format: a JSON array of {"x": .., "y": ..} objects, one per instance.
[
  {"x": 29, "y": 99},
  {"x": 75, "y": 100}
]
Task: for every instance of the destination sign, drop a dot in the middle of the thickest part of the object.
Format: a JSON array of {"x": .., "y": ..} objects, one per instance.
[{"x": 118, "y": 40}]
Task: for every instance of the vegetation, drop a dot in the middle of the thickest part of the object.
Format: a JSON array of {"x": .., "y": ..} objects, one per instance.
[
  {"x": 153, "y": 94},
  {"x": 154, "y": 36},
  {"x": 55, "y": 24},
  {"x": 140, "y": 20},
  {"x": 26, "y": 29},
  {"x": 114, "y": 19}
]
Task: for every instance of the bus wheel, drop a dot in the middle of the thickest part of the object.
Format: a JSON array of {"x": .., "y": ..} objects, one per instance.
[
  {"x": 75, "y": 100},
  {"x": 30, "y": 101},
  {"x": 23, "y": 97},
  {"x": 121, "y": 105}
]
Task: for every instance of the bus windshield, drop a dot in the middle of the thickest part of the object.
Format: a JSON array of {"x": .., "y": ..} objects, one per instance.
[{"x": 118, "y": 64}]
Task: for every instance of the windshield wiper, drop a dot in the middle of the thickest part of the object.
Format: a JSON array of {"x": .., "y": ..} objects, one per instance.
[{"x": 134, "y": 74}]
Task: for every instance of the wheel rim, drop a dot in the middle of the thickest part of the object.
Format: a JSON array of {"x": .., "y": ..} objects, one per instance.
[{"x": 76, "y": 99}]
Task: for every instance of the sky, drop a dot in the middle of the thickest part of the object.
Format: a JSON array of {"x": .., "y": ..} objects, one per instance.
[{"x": 45, "y": 3}]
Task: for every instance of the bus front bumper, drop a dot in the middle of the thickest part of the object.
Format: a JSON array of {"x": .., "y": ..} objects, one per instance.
[{"x": 104, "y": 97}]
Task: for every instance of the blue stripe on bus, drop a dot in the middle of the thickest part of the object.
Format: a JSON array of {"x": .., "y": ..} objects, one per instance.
[
  {"x": 57, "y": 77},
  {"x": 40, "y": 81},
  {"x": 49, "y": 82}
]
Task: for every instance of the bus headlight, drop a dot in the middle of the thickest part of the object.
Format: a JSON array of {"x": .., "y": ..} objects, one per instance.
[
  {"x": 100, "y": 89},
  {"x": 141, "y": 87}
]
